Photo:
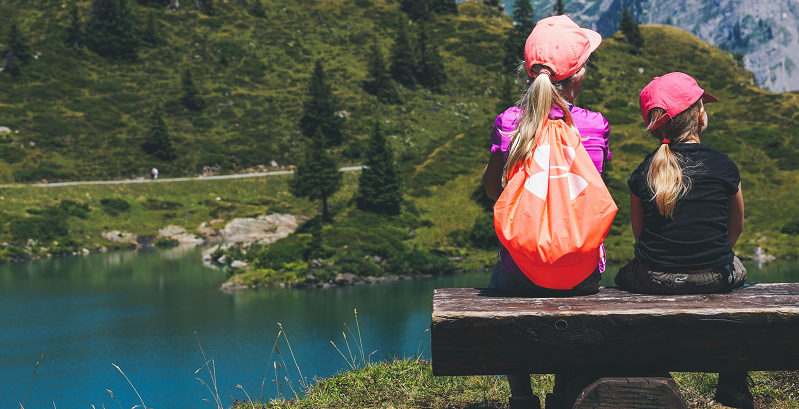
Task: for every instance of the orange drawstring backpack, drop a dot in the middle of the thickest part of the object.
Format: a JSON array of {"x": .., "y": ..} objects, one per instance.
[{"x": 555, "y": 211}]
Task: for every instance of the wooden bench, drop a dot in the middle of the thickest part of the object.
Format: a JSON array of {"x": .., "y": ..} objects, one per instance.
[{"x": 624, "y": 344}]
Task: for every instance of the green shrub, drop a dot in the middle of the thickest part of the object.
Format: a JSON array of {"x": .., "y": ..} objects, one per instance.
[
  {"x": 12, "y": 154},
  {"x": 114, "y": 206},
  {"x": 12, "y": 252},
  {"x": 202, "y": 122},
  {"x": 67, "y": 245},
  {"x": 417, "y": 261},
  {"x": 792, "y": 227},
  {"x": 46, "y": 171},
  {"x": 73, "y": 208},
  {"x": 155, "y": 204},
  {"x": 39, "y": 228},
  {"x": 281, "y": 252},
  {"x": 483, "y": 235},
  {"x": 165, "y": 242}
]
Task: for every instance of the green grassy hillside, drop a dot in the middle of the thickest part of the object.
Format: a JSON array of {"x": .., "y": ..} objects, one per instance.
[{"x": 79, "y": 116}]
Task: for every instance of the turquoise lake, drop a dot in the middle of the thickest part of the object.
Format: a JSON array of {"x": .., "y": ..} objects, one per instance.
[{"x": 140, "y": 310}]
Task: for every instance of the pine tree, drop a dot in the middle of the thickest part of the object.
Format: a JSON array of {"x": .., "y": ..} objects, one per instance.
[
  {"x": 524, "y": 22},
  {"x": 317, "y": 176},
  {"x": 444, "y": 6},
  {"x": 257, "y": 9},
  {"x": 403, "y": 61},
  {"x": 380, "y": 83},
  {"x": 207, "y": 7},
  {"x": 154, "y": 3},
  {"x": 114, "y": 31},
  {"x": 630, "y": 29},
  {"x": 17, "y": 52},
  {"x": 559, "y": 8},
  {"x": 150, "y": 35},
  {"x": 417, "y": 10},
  {"x": 320, "y": 109},
  {"x": 75, "y": 31},
  {"x": 431, "y": 66},
  {"x": 191, "y": 99},
  {"x": 158, "y": 141},
  {"x": 379, "y": 187},
  {"x": 508, "y": 93}
]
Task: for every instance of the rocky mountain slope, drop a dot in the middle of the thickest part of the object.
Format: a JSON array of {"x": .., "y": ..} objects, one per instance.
[{"x": 765, "y": 32}]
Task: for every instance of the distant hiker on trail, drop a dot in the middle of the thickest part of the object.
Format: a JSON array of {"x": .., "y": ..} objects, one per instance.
[
  {"x": 154, "y": 173},
  {"x": 548, "y": 154},
  {"x": 687, "y": 209}
]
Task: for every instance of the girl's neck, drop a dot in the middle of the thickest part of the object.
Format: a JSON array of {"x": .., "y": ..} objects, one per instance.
[{"x": 693, "y": 139}]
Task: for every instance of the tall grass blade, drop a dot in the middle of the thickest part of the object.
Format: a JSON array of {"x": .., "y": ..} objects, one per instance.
[
  {"x": 131, "y": 385},
  {"x": 267, "y": 365},
  {"x": 31, "y": 381},
  {"x": 342, "y": 355},
  {"x": 360, "y": 340},
  {"x": 215, "y": 393},
  {"x": 302, "y": 378}
]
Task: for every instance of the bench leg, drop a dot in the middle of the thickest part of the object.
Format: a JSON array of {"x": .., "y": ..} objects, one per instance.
[{"x": 606, "y": 391}]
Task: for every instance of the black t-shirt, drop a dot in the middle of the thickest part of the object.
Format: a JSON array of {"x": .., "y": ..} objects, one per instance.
[{"x": 697, "y": 237}]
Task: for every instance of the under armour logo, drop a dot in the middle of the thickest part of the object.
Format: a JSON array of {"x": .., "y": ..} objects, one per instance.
[{"x": 538, "y": 184}]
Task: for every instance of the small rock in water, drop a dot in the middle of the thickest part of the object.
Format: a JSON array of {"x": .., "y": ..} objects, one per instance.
[
  {"x": 238, "y": 264},
  {"x": 85, "y": 251},
  {"x": 222, "y": 259}
]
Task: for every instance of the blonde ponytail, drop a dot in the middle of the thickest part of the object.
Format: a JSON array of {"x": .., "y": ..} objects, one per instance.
[
  {"x": 541, "y": 95},
  {"x": 668, "y": 178}
]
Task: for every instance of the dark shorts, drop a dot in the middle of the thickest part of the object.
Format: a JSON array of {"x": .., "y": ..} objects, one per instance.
[
  {"x": 520, "y": 285},
  {"x": 637, "y": 277}
]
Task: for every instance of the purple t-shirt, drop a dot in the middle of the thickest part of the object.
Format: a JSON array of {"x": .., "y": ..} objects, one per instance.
[{"x": 594, "y": 132}]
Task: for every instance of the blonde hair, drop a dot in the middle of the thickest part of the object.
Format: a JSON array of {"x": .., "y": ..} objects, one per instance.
[
  {"x": 668, "y": 177},
  {"x": 535, "y": 105}
]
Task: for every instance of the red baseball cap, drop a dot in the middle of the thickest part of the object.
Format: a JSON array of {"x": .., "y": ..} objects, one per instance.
[
  {"x": 560, "y": 44},
  {"x": 674, "y": 92}
]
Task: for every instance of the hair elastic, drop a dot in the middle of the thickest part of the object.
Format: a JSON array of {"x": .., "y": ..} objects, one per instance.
[
  {"x": 543, "y": 71},
  {"x": 665, "y": 141}
]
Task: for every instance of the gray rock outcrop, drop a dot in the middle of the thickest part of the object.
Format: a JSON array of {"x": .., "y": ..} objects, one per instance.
[
  {"x": 766, "y": 32},
  {"x": 263, "y": 229},
  {"x": 120, "y": 237}
]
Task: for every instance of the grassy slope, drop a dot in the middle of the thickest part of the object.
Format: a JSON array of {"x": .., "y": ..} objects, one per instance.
[
  {"x": 441, "y": 140},
  {"x": 410, "y": 384},
  {"x": 87, "y": 116},
  {"x": 197, "y": 204}
]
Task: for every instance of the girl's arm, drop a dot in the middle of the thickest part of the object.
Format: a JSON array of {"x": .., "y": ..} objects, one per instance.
[
  {"x": 492, "y": 176},
  {"x": 637, "y": 215},
  {"x": 735, "y": 217}
]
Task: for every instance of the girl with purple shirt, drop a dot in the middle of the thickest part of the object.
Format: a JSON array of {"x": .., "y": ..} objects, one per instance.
[{"x": 555, "y": 55}]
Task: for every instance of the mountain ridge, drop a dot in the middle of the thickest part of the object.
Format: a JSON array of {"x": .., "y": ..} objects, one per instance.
[{"x": 766, "y": 33}]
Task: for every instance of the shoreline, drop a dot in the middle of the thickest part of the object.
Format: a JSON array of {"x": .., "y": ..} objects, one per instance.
[{"x": 229, "y": 286}]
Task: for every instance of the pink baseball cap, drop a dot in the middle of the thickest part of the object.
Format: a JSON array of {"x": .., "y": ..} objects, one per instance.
[
  {"x": 560, "y": 44},
  {"x": 674, "y": 92}
]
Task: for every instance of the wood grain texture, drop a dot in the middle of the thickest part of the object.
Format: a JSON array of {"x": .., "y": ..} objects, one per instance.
[
  {"x": 630, "y": 393},
  {"x": 484, "y": 332}
]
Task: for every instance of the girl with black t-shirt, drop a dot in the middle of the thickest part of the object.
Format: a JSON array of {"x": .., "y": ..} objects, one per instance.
[{"x": 687, "y": 209}]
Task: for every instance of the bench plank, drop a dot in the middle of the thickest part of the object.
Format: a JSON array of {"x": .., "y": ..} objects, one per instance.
[{"x": 483, "y": 332}]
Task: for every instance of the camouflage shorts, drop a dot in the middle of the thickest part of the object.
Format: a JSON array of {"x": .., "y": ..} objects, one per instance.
[{"x": 637, "y": 277}]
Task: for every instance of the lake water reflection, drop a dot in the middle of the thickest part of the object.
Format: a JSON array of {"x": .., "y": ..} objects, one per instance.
[{"x": 140, "y": 310}]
